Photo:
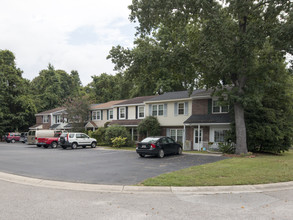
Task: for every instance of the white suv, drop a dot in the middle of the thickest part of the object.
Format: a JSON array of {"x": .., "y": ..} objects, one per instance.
[{"x": 74, "y": 140}]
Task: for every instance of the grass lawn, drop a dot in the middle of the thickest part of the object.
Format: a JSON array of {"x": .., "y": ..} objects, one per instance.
[{"x": 233, "y": 171}]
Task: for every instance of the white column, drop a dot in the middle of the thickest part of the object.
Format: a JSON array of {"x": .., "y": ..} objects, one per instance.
[
  {"x": 184, "y": 136},
  {"x": 198, "y": 137}
]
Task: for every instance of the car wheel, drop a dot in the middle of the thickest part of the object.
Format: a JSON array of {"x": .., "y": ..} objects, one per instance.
[
  {"x": 64, "y": 147},
  {"x": 54, "y": 144},
  {"x": 93, "y": 145},
  {"x": 74, "y": 145},
  {"x": 161, "y": 153},
  {"x": 12, "y": 141},
  {"x": 141, "y": 155},
  {"x": 179, "y": 150}
]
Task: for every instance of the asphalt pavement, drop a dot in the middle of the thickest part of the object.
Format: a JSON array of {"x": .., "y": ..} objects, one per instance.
[{"x": 93, "y": 166}]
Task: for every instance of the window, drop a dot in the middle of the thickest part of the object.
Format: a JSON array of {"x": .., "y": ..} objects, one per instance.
[
  {"x": 96, "y": 115},
  {"x": 177, "y": 135},
  {"x": 220, "y": 109},
  {"x": 140, "y": 111},
  {"x": 110, "y": 114},
  {"x": 158, "y": 110},
  {"x": 181, "y": 108},
  {"x": 57, "y": 119},
  {"x": 45, "y": 119},
  {"x": 122, "y": 113},
  {"x": 219, "y": 135}
]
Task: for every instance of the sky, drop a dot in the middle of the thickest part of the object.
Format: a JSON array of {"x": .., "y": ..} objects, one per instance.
[{"x": 69, "y": 34}]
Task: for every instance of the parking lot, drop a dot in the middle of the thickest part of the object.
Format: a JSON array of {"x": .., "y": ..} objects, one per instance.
[{"x": 99, "y": 166}]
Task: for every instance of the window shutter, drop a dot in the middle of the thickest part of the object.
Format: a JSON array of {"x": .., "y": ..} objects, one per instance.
[
  {"x": 165, "y": 109},
  {"x": 118, "y": 113},
  {"x": 101, "y": 114},
  {"x": 150, "y": 110},
  {"x": 136, "y": 112},
  {"x": 126, "y": 112},
  {"x": 107, "y": 114},
  {"x": 186, "y": 108},
  {"x": 210, "y": 106},
  {"x": 175, "y": 109}
]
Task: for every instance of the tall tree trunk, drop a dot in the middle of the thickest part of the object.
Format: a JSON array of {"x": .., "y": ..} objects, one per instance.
[{"x": 241, "y": 145}]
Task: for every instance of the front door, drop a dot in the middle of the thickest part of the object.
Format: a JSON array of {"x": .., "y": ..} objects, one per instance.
[{"x": 198, "y": 143}]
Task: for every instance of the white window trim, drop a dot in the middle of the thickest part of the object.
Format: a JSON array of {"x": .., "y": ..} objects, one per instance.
[
  {"x": 58, "y": 119},
  {"x": 183, "y": 108},
  {"x": 110, "y": 114},
  {"x": 158, "y": 110},
  {"x": 46, "y": 117},
  {"x": 220, "y": 112},
  {"x": 120, "y": 113},
  {"x": 96, "y": 113},
  {"x": 139, "y": 111},
  {"x": 176, "y": 133}
]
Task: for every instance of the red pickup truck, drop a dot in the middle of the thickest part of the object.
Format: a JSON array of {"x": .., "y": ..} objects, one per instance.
[{"x": 46, "y": 142}]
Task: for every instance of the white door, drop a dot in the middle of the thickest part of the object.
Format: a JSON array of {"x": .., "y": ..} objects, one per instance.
[{"x": 198, "y": 143}]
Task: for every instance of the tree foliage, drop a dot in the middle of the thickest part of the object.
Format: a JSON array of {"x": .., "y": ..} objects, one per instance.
[
  {"x": 106, "y": 87},
  {"x": 17, "y": 107},
  {"x": 52, "y": 86},
  {"x": 149, "y": 126},
  {"x": 77, "y": 112}
]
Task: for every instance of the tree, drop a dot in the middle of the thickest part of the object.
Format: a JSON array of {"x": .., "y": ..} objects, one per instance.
[
  {"x": 52, "y": 86},
  {"x": 223, "y": 39},
  {"x": 106, "y": 87},
  {"x": 17, "y": 107},
  {"x": 77, "y": 112},
  {"x": 149, "y": 126}
]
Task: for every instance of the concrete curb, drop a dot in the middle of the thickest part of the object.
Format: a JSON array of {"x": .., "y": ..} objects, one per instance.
[{"x": 202, "y": 190}]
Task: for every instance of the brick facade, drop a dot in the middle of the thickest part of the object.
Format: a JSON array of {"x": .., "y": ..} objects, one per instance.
[{"x": 200, "y": 107}]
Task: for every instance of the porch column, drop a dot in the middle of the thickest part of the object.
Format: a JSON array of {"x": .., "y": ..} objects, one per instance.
[
  {"x": 198, "y": 137},
  {"x": 184, "y": 136}
]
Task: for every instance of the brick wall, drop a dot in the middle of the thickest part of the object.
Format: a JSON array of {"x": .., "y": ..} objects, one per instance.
[{"x": 200, "y": 107}]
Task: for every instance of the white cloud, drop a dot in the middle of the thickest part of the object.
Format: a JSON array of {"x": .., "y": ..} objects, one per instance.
[{"x": 69, "y": 34}]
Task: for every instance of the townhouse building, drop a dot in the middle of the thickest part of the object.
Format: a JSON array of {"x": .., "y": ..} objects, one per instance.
[
  {"x": 195, "y": 120},
  {"x": 130, "y": 113},
  {"x": 100, "y": 114},
  {"x": 51, "y": 119}
]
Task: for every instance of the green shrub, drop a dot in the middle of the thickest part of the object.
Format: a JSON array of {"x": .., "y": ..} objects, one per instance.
[
  {"x": 149, "y": 126},
  {"x": 226, "y": 148},
  {"x": 117, "y": 131},
  {"x": 119, "y": 141},
  {"x": 99, "y": 134}
]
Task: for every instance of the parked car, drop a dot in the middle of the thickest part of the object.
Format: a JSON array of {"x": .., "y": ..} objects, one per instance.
[
  {"x": 158, "y": 146},
  {"x": 12, "y": 137},
  {"x": 49, "y": 141},
  {"x": 23, "y": 137},
  {"x": 74, "y": 140}
]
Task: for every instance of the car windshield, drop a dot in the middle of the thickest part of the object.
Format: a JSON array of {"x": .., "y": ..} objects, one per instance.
[{"x": 150, "y": 140}]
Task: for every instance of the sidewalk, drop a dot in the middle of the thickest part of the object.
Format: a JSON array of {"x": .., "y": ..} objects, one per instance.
[{"x": 202, "y": 190}]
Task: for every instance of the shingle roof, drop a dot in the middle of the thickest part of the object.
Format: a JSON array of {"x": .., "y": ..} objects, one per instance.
[
  {"x": 210, "y": 118},
  {"x": 52, "y": 111},
  {"x": 136, "y": 100},
  {"x": 133, "y": 122},
  {"x": 106, "y": 105},
  {"x": 176, "y": 95}
]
